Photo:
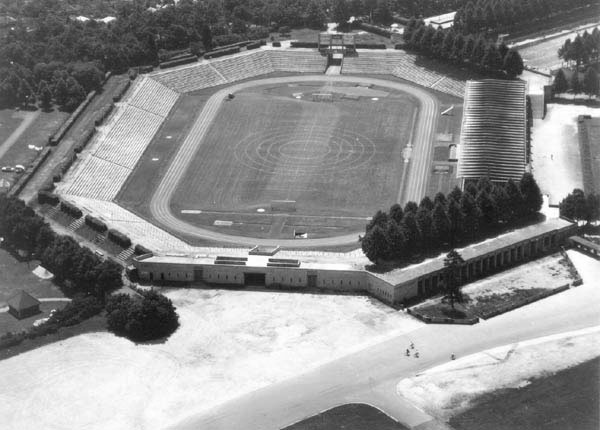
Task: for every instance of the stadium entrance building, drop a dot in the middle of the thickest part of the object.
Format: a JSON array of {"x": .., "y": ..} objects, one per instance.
[{"x": 326, "y": 273}]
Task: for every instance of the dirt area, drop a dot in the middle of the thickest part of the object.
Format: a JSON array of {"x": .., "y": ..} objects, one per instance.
[
  {"x": 556, "y": 157},
  {"x": 509, "y": 289},
  {"x": 449, "y": 389},
  {"x": 229, "y": 343}
]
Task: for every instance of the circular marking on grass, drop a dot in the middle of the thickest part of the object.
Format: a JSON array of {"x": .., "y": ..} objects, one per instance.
[{"x": 310, "y": 150}]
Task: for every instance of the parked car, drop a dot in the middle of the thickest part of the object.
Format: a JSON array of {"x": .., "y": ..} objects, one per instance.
[{"x": 8, "y": 169}]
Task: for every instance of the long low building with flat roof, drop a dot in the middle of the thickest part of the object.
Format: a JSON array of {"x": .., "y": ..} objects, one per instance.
[{"x": 330, "y": 273}]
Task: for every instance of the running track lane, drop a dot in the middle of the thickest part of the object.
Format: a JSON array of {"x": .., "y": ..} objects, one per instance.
[{"x": 417, "y": 176}]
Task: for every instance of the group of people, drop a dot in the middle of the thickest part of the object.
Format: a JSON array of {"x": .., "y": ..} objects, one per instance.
[{"x": 416, "y": 354}]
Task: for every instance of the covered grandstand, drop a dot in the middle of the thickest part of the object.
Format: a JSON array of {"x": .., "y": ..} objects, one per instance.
[{"x": 493, "y": 136}]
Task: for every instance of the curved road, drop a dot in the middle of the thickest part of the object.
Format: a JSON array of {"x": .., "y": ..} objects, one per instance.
[
  {"x": 415, "y": 188},
  {"x": 371, "y": 375}
]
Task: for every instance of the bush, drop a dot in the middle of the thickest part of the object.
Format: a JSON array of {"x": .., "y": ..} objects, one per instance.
[
  {"x": 95, "y": 224},
  {"x": 375, "y": 29},
  {"x": 277, "y": 44},
  {"x": 221, "y": 53},
  {"x": 141, "y": 250},
  {"x": 119, "y": 238},
  {"x": 71, "y": 209},
  {"x": 304, "y": 44},
  {"x": 47, "y": 197},
  {"x": 80, "y": 309},
  {"x": 178, "y": 62},
  {"x": 151, "y": 317},
  {"x": 370, "y": 46}
]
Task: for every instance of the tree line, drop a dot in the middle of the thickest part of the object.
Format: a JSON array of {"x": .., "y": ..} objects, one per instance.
[
  {"x": 583, "y": 50},
  {"x": 580, "y": 207},
  {"x": 460, "y": 217},
  {"x": 505, "y": 15},
  {"x": 474, "y": 51},
  {"x": 77, "y": 270},
  {"x": 588, "y": 85}
]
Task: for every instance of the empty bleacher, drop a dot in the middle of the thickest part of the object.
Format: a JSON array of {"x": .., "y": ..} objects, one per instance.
[
  {"x": 97, "y": 179},
  {"x": 190, "y": 78},
  {"x": 128, "y": 138},
  {"x": 493, "y": 130},
  {"x": 153, "y": 96},
  {"x": 298, "y": 60},
  {"x": 244, "y": 66}
]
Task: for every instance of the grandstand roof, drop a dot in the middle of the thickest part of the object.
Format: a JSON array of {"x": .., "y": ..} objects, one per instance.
[{"x": 493, "y": 134}]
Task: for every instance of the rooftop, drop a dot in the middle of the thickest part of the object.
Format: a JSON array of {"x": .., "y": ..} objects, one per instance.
[{"x": 22, "y": 300}]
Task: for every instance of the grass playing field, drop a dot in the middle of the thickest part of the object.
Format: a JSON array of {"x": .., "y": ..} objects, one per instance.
[{"x": 338, "y": 161}]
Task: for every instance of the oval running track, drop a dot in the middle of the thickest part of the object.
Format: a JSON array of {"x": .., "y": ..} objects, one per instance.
[{"x": 415, "y": 187}]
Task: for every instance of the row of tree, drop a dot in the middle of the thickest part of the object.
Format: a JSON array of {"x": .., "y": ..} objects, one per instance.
[
  {"x": 458, "y": 48},
  {"x": 581, "y": 207},
  {"x": 76, "y": 269},
  {"x": 65, "y": 84},
  {"x": 457, "y": 218},
  {"x": 589, "y": 85},
  {"x": 504, "y": 15},
  {"x": 583, "y": 50}
]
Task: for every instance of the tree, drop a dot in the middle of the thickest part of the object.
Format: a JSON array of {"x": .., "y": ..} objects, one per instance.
[
  {"x": 560, "y": 84},
  {"x": 574, "y": 206},
  {"x": 75, "y": 94},
  {"x": 440, "y": 198},
  {"x": 426, "y": 204},
  {"x": 207, "y": 37},
  {"x": 382, "y": 13},
  {"x": 397, "y": 241},
  {"x": 424, "y": 224},
  {"x": 532, "y": 196},
  {"x": 471, "y": 216},
  {"x": 491, "y": 58},
  {"x": 340, "y": 14},
  {"x": 411, "y": 231},
  {"x": 455, "y": 194},
  {"x": 513, "y": 64},
  {"x": 515, "y": 207},
  {"x": 60, "y": 92},
  {"x": 396, "y": 213},
  {"x": 590, "y": 82},
  {"x": 456, "y": 220},
  {"x": 45, "y": 95},
  {"x": 440, "y": 224},
  {"x": 478, "y": 52},
  {"x": 410, "y": 207},
  {"x": 453, "y": 264},
  {"x": 575, "y": 84},
  {"x": 379, "y": 219},
  {"x": 375, "y": 244}
]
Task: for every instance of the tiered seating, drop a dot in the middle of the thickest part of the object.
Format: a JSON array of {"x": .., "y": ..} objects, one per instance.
[
  {"x": 382, "y": 63},
  {"x": 154, "y": 97},
  {"x": 191, "y": 78},
  {"x": 294, "y": 60},
  {"x": 493, "y": 130},
  {"x": 451, "y": 86},
  {"x": 97, "y": 179},
  {"x": 244, "y": 66},
  {"x": 128, "y": 138}
]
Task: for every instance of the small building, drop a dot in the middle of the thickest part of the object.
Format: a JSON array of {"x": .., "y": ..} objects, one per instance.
[{"x": 23, "y": 305}]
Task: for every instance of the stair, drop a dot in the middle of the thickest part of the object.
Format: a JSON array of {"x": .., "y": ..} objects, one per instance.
[
  {"x": 333, "y": 70},
  {"x": 76, "y": 224},
  {"x": 125, "y": 254}
]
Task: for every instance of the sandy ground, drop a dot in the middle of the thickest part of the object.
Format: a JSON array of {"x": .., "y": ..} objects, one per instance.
[
  {"x": 555, "y": 150},
  {"x": 449, "y": 388},
  {"x": 229, "y": 343}
]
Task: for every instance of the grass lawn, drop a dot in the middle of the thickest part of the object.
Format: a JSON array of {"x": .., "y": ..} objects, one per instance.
[
  {"x": 9, "y": 323},
  {"x": 567, "y": 400},
  {"x": 16, "y": 275},
  {"x": 353, "y": 416},
  {"x": 9, "y": 121}
]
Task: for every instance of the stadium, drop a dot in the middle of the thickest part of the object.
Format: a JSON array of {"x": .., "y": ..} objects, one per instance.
[{"x": 262, "y": 168}]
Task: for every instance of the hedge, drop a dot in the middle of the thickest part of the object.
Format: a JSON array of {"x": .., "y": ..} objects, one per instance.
[
  {"x": 56, "y": 137},
  {"x": 178, "y": 62},
  {"x": 304, "y": 45},
  {"x": 84, "y": 140},
  {"x": 370, "y": 46},
  {"x": 253, "y": 45},
  {"x": 221, "y": 53},
  {"x": 106, "y": 110},
  {"x": 25, "y": 177},
  {"x": 119, "y": 93},
  {"x": 375, "y": 29},
  {"x": 71, "y": 209},
  {"x": 47, "y": 197},
  {"x": 276, "y": 44},
  {"x": 119, "y": 238},
  {"x": 400, "y": 46},
  {"x": 141, "y": 250},
  {"x": 95, "y": 224}
]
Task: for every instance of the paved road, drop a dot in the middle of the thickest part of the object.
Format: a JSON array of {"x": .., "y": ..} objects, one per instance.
[
  {"x": 371, "y": 375},
  {"x": 417, "y": 176}
]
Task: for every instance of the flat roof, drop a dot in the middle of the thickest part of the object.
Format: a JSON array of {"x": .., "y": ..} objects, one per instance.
[{"x": 410, "y": 273}]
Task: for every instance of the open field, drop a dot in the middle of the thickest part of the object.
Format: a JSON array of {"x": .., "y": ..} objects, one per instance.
[
  {"x": 544, "y": 55},
  {"x": 229, "y": 343},
  {"x": 555, "y": 153},
  {"x": 537, "y": 405},
  {"x": 457, "y": 386},
  {"x": 354, "y": 416},
  {"x": 22, "y": 129}
]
